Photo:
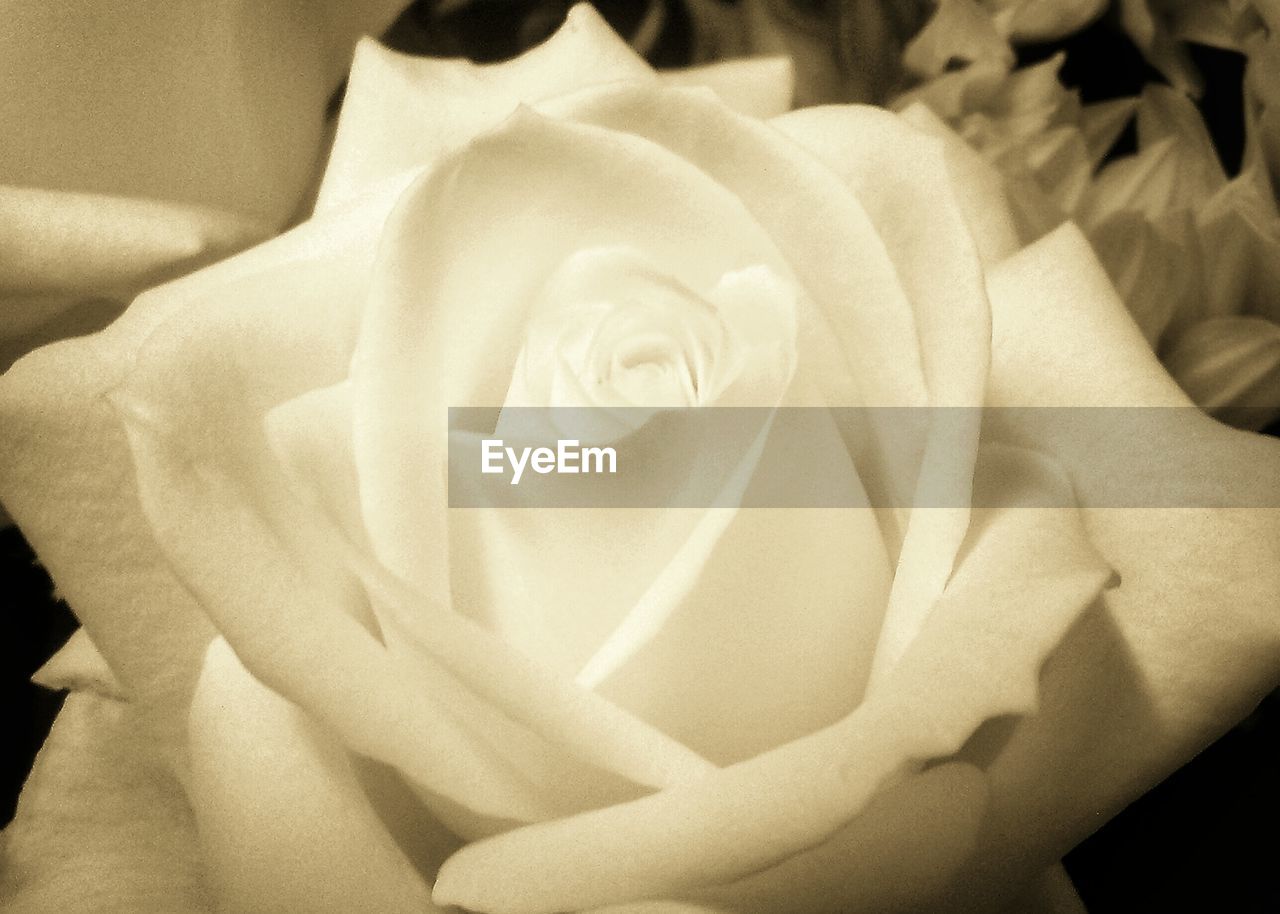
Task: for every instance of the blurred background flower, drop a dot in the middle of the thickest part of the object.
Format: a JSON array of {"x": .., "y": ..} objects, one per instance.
[
  {"x": 1258, "y": 30},
  {"x": 1187, "y": 240}
]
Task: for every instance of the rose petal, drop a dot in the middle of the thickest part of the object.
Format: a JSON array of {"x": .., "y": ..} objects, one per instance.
[
  {"x": 900, "y": 850},
  {"x": 401, "y": 111},
  {"x": 102, "y": 825},
  {"x": 311, "y": 437},
  {"x": 755, "y": 86},
  {"x": 1189, "y": 642},
  {"x": 79, "y": 667},
  {"x": 711, "y": 673},
  {"x": 67, "y": 475},
  {"x": 736, "y": 344},
  {"x": 283, "y": 618},
  {"x": 902, "y": 178},
  {"x": 976, "y": 657},
  {"x": 575, "y": 596},
  {"x": 283, "y": 822},
  {"x": 566, "y": 715},
  {"x": 686, "y": 608},
  {"x": 67, "y": 478},
  {"x": 512, "y": 568},
  {"x": 977, "y": 185},
  {"x": 261, "y": 337},
  {"x": 1108, "y": 362}
]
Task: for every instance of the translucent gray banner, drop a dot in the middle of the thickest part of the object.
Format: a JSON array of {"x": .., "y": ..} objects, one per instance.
[{"x": 847, "y": 457}]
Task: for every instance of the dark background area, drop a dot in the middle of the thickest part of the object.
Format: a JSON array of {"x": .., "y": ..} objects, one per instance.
[{"x": 1206, "y": 840}]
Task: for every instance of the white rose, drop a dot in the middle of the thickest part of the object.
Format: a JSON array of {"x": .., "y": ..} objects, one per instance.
[{"x": 241, "y": 481}]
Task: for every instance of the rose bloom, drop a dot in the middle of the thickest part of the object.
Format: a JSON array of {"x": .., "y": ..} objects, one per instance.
[
  {"x": 304, "y": 684},
  {"x": 151, "y": 138}
]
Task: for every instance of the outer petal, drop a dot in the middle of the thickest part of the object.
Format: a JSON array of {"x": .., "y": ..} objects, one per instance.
[
  {"x": 102, "y": 826},
  {"x": 901, "y": 176},
  {"x": 480, "y": 764},
  {"x": 909, "y": 841},
  {"x": 401, "y": 111},
  {"x": 79, "y": 666},
  {"x": 67, "y": 474},
  {"x": 1190, "y": 641},
  {"x": 977, "y": 186},
  {"x": 310, "y": 437},
  {"x": 284, "y": 823},
  {"x": 755, "y": 86},
  {"x": 66, "y": 477}
]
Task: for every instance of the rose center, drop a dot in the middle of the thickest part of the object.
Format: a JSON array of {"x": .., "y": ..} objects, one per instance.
[{"x": 610, "y": 330}]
